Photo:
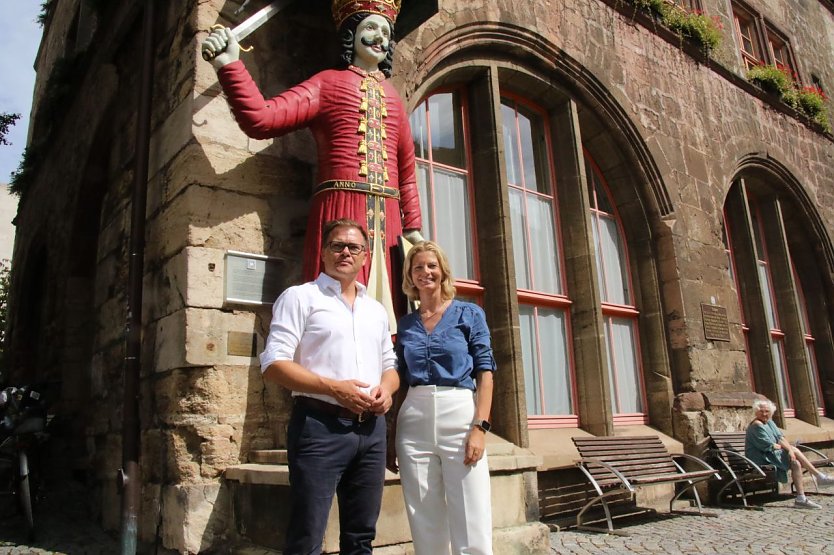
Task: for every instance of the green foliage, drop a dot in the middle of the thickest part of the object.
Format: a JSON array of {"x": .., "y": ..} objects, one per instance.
[
  {"x": 6, "y": 121},
  {"x": 693, "y": 25},
  {"x": 44, "y": 13},
  {"x": 63, "y": 82},
  {"x": 60, "y": 89},
  {"x": 22, "y": 177},
  {"x": 770, "y": 78},
  {"x": 658, "y": 8},
  {"x": 810, "y": 101},
  {"x": 696, "y": 26}
]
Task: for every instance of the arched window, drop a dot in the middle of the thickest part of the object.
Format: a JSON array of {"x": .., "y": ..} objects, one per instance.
[
  {"x": 775, "y": 261},
  {"x": 618, "y": 308},
  {"x": 543, "y": 302},
  {"x": 537, "y": 238},
  {"x": 438, "y": 128}
]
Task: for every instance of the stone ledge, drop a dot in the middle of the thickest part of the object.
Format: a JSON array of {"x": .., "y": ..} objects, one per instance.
[
  {"x": 278, "y": 474},
  {"x": 504, "y": 456}
]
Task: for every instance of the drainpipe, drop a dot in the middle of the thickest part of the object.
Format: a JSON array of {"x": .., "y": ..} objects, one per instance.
[{"x": 129, "y": 478}]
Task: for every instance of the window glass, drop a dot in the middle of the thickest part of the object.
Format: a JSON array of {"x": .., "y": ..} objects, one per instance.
[
  {"x": 613, "y": 261},
  {"x": 532, "y": 208},
  {"x": 781, "y": 373},
  {"x": 546, "y": 364},
  {"x": 537, "y": 257},
  {"x": 626, "y": 394},
  {"x": 446, "y": 130},
  {"x": 451, "y": 203},
  {"x": 443, "y": 179},
  {"x": 522, "y": 271}
]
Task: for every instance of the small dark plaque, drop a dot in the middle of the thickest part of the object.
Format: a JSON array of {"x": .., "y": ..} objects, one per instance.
[{"x": 716, "y": 325}]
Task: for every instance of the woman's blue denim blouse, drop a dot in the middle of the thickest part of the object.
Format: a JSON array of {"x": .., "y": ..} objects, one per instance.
[{"x": 458, "y": 347}]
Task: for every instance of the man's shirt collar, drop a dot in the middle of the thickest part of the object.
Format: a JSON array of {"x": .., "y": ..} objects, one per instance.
[{"x": 327, "y": 283}]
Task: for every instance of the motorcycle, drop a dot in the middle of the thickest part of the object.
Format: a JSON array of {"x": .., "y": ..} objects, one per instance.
[{"x": 23, "y": 424}]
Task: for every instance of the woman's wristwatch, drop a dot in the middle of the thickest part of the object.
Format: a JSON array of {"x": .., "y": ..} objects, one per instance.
[{"x": 482, "y": 424}]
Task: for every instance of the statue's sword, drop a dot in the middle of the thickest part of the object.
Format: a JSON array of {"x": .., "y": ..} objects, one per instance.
[{"x": 251, "y": 24}]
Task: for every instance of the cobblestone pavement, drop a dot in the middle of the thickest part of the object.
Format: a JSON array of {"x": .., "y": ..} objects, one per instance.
[
  {"x": 66, "y": 527},
  {"x": 779, "y": 530}
]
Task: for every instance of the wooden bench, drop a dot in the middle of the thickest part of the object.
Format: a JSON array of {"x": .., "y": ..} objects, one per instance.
[
  {"x": 726, "y": 450},
  {"x": 618, "y": 465}
]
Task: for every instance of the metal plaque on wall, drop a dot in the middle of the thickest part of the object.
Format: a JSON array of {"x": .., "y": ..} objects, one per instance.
[
  {"x": 253, "y": 278},
  {"x": 716, "y": 324}
]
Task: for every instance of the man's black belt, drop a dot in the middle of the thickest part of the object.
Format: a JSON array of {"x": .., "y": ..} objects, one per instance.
[
  {"x": 317, "y": 405},
  {"x": 358, "y": 186}
]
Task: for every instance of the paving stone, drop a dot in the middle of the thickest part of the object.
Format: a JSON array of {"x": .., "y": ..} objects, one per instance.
[{"x": 779, "y": 530}]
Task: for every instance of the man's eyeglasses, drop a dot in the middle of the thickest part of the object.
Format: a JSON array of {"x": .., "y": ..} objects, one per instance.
[{"x": 337, "y": 246}]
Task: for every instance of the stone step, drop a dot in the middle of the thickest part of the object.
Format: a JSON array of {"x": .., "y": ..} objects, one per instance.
[
  {"x": 495, "y": 448},
  {"x": 260, "y": 497}
]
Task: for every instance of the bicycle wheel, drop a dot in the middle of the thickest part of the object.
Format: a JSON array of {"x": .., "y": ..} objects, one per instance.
[{"x": 24, "y": 495}]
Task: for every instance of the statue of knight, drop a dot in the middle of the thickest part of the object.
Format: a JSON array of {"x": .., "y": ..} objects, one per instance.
[{"x": 366, "y": 167}]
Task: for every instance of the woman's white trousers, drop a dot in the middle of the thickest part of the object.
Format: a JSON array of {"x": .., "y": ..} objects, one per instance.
[{"x": 448, "y": 503}]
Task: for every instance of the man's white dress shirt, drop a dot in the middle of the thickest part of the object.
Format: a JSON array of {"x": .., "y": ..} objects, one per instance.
[{"x": 314, "y": 326}]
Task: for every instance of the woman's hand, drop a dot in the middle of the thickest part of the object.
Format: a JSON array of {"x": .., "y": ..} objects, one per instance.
[{"x": 475, "y": 444}]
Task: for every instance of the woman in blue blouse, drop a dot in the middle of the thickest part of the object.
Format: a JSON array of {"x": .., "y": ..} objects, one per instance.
[
  {"x": 765, "y": 444},
  {"x": 445, "y": 359}
]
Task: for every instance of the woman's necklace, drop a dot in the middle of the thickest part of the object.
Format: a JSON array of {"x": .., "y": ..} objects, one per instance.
[{"x": 428, "y": 315}]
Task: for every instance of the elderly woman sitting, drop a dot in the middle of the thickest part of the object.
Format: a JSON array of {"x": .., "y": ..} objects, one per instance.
[{"x": 765, "y": 444}]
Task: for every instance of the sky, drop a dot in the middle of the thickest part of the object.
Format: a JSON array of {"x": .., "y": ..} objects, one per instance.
[{"x": 21, "y": 36}]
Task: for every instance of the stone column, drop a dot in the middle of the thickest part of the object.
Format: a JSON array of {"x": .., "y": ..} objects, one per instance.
[
  {"x": 790, "y": 318},
  {"x": 587, "y": 323},
  {"x": 497, "y": 266},
  {"x": 758, "y": 337}
]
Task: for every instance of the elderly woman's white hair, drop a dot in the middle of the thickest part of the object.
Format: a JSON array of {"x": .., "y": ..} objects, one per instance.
[{"x": 759, "y": 403}]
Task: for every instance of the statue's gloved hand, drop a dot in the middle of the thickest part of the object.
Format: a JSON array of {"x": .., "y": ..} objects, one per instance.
[
  {"x": 413, "y": 236},
  {"x": 224, "y": 45}
]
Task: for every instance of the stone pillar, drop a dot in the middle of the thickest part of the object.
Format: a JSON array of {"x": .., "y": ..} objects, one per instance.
[
  {"x": 497, "y": 266},
  {"x": 587, "y": 323},
  {"x": 790, "y": 318},
  {"x": 758, "y": 337}
]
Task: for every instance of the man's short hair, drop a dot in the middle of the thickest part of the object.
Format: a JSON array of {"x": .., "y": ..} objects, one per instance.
[{"x": 328, "y": 227}]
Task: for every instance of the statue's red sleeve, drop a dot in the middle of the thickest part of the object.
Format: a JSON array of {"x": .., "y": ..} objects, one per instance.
[
  {"x": 407, "y": 170},
  {"x": 264, "y": 119}
]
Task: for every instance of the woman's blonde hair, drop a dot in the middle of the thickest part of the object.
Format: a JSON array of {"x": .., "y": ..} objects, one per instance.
[{"x": 447, "y": 288}]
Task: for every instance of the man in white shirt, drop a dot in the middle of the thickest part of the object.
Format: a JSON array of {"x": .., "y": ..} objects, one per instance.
[{"x": 329, "y": 343}]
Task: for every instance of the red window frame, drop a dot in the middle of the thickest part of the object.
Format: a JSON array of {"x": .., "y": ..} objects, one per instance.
[
  {"x": 613, "y": 310},
  {"x": 464, "y": 286},
  {"x": 537, "y": 299}
]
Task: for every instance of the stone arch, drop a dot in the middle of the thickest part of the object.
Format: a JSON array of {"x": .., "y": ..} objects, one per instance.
[
  {"x": 520, "y": 49},
  {"x": 799, "y": 255},
  {"x": 798, "y": 195}
]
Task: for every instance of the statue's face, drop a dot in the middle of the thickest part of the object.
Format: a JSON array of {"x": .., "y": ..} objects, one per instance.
[{"x": 370, "y": 45}]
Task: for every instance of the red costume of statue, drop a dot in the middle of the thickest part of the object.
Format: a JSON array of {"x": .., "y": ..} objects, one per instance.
[{"x": 363, "y": 137}]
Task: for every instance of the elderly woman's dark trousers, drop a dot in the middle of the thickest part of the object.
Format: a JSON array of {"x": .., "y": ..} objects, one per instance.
[{"x": 328, "y": 455}]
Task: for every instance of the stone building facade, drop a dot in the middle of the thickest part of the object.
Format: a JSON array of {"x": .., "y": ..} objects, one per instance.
[{"x": 649, "y": 233}]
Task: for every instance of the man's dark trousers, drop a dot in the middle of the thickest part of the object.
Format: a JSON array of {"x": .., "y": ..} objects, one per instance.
[{"x": 328, "y": 454}]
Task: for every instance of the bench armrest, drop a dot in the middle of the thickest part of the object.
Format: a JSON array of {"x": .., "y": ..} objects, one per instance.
[
  {"x": 693, "y": 458},
  {"x": 583, "y": 462},
  {"x": 731, "y": 453}
]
